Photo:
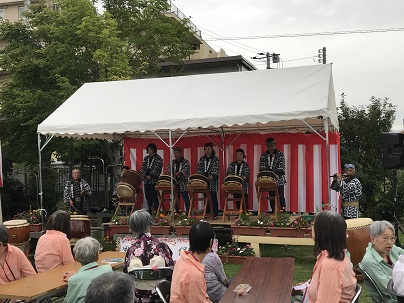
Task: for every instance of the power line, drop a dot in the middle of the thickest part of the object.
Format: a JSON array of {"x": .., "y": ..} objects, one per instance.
[
  {"x": 221, "y": 36},
  {"x": 238, "y": 46},
  {"x": 359, "y": 31}
]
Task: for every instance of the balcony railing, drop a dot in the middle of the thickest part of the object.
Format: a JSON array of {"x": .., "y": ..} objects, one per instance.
[{"x": 179, "y": 14}]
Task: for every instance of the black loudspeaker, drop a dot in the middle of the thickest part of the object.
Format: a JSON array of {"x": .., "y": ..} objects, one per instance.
[{"x": 393, "y": 150}]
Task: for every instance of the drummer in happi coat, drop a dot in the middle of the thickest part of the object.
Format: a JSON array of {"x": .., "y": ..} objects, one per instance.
[
  {"x": 180, "y": 170},
  {"x": 77, "y": 193},
  {"x": 241, "y": 169},
  {"x": 273, "y": 160},
  {"x": 151, "y": 169},
  {"x": 208, "y": 166}
]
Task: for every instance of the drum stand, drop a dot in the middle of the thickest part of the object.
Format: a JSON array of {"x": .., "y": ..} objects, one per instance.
[
  {"x": 126, "y": 204},
  {"x": 199, "y": 189},
  {"x": 231, "y": 189},
  {"x": 166, "y": 190},
  {"x": 264, "y": 188}
]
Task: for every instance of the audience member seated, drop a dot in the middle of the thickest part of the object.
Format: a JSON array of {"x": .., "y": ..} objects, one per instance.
[
  {"x": 86, "y": 252},
  {"x": 398, "y": 277},
  {"x": 333, "y": 279},
  {"x": 145, "y": 247},
  {"x": 380, "y": 257},
  {"x": 188, "y": 284},
  {"x": 14, "y": 264},
  {"x": 216, "y": 280},
  {"x": 111, "y": 287},
  {"x": 53, "y": 248}
]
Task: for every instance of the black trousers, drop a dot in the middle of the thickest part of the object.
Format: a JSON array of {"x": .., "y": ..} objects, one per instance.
[
  {"x": 238, "y": 196},
  {"x": 151, "y": 197},
  {"x": 282, "y": 202}
]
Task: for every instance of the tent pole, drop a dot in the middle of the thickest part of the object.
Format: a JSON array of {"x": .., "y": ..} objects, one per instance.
[
  {"x": 170, "y": 143},
  {"x": 327, "y": 157},
  {"x": 40, "y": 179}
]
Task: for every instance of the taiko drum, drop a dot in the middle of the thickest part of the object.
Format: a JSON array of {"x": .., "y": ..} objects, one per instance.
[
  {"x": 80, "y": 226},
  {"x": 18, "y": 234},
  {"x": 358, "y": 237}
]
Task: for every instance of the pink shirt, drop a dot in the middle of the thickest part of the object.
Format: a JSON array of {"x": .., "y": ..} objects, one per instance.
[
  {"x": 188, "y": 283},
  {"x": 53, "y": 250},
  {"x": 333, "y": 281},
  {"x": 16, "y": 266}
]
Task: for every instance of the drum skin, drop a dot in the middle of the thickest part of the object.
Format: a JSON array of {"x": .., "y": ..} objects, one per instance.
[
  {"x": 129, "y": 183},
  {"x": 232, "y": 179},
  {"x": 18, "y": 231},
  {"x": 197, "y": 178},
  {"x": 165, "y": 179},
  {"x": 266, "y": 174},
  {"x": 358, "y": 237},
  {"x": 80, "y": 226}
]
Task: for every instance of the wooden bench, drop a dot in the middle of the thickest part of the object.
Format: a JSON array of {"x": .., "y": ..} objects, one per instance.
[{"x": 257, "y": 242}]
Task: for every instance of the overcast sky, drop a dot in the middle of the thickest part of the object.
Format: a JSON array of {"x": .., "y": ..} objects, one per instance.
[{"x": 364, "y": 65}]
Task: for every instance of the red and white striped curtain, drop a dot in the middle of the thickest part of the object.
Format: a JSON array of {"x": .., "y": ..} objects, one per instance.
[{"x": 305, "y": 156}]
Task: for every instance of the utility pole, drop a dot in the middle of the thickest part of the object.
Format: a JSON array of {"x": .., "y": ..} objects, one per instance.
[
  {"x": 322, "y": 55},
  {"x": 267, "y": 56}
]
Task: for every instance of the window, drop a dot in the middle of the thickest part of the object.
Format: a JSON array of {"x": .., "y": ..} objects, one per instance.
[
  {"x": 21, "y": 9},
  {"x": 1, "y": 14}
]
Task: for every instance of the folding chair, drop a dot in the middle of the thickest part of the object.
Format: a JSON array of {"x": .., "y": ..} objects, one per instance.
[
  {"x": 146, "y": 280},
  {"x": 370, "y": 279},
  {"x": 358, "y": 290},
  {"x": 163, "y": 288}
]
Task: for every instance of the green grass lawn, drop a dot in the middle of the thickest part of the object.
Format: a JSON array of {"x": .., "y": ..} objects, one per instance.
[{"x": 304, "y": 263}]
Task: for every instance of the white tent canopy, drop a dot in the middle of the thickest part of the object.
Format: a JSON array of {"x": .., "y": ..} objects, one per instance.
[{"x": 276, "y": 100}]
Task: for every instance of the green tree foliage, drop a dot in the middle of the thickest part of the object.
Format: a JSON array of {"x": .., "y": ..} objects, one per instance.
[
  {"x": 55, "y": 51},
  {"x": 47, "y": 59},
  {"x": 151, "y": 35},
  {"x": 361, "y": 131}
]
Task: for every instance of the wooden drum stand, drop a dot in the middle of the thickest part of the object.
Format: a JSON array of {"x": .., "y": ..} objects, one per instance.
[
  {"x": 264, "y": 187},
  {"x": 164, "y": 195},
  {"x": 231, "y": 189},
  {"x": 196, "y": 188}
]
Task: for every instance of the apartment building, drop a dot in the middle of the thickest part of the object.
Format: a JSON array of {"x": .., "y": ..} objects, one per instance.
[{"x": 12, "y": 10}]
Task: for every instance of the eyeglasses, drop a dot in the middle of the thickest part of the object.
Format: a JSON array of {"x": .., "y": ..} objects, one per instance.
[{"x": 386, "y": 239}]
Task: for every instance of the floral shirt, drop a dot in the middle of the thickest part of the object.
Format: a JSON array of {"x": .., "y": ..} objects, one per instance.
[{"x": 145, "y": 247}]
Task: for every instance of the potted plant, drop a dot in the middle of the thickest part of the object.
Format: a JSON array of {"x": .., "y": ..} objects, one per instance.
[
  {"x": 161, "y": 226},
  {"x": 119, "y": 225},
  {"x": 234, "y": 253},
  {"x": 284, "y": 226},
  {"x": 247, "y": 225},
  {"x": 33, "y": 218},
  {"x": 184, "y": 224}
]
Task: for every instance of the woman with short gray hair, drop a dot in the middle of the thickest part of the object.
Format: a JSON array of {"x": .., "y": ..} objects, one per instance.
[
  {"x": 145, "y": 247},
  {"x": 86, "y": 252},
  {"x": 380, "y": 257}
]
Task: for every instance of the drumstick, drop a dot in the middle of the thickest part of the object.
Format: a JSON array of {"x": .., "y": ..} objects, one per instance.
[{"x": 74, "y": 208}]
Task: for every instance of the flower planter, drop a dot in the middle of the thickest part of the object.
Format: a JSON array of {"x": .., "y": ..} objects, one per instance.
[
  {"x": 232, "y": 259},
  {"x": 290, "y": 232},
  {"x": 34, "y": 228},
  {"x": 118, "y": 229},
  {"x": 161, "y": 230},
  {"x": 249, "y": 231},
  {"x": 182, "y": 230}
]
